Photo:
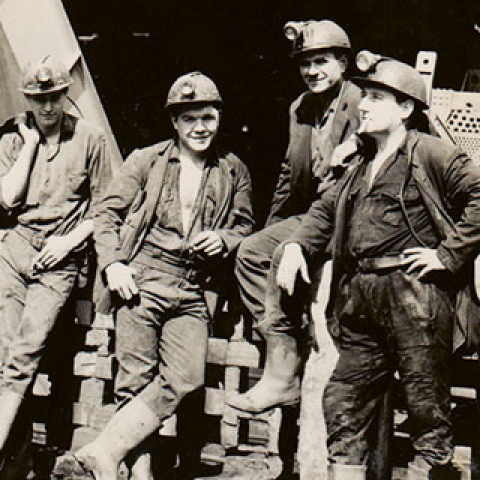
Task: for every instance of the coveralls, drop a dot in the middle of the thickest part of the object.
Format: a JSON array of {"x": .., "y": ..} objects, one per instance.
[
  {"x": 161, "y": 337},
  {"x": 317, "y": 126},
  {"x": 385, "y": 319},
  {"x": 65, "y": 185}
]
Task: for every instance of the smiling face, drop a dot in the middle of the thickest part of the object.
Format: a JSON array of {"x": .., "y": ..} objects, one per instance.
[
  {"x": 47, "y": 109},
  {"x": 196, "y": 127},
  {"x": 321, "y": 70},
  {"x": 381, "y": 112}
]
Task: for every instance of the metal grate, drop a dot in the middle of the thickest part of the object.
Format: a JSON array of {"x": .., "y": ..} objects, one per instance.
[{"x": 460, "y": 114}]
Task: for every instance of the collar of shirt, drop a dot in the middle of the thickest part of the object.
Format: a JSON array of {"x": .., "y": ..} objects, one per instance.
[
  {"x": 314, "y": 104},
  {"x": 211, "y": 160},
  {"x": 67, "y": 127}
]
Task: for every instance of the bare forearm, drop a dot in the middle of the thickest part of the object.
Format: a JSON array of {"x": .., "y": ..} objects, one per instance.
[
  {"x": 80, "y": 233},
  {"x": 14, "y": 183}
]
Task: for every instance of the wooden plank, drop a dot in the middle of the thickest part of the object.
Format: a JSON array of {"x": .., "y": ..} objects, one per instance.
[
  {"x": 217, "y": 351},
  {"x": 97, "y": 337},
  {"x": 94, "y": 416},
  {"x": 42, "y": 385},
  {"x": 258, "y": 432},
  {"x": 243, "y": 354},
  {"x": 91, "y": 364},
  {"x": 230, "y": 424},
  {"x": 104, "y": 321},
  {"x": 92, "y": 390},
  {"x": 84, "y": 364},
  {"x": 214, "y": 401}
]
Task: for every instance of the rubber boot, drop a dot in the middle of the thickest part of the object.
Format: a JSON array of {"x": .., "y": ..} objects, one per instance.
[
  {"x": 280, "y": 382},
  {"x": 339, "y": 471},
  {"x": 10, "y": 402},
  {"x": 127, "y": 429}
]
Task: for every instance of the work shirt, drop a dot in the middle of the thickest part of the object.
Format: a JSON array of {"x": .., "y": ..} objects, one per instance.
[
  {"x": 167, "y": 232},
  {"x": 66, "y": 181},
  {"x": 377, "y": 225},
  {"x": 321, "y": 137}
]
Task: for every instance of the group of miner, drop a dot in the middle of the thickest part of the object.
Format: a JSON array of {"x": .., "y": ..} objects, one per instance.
[{"x": 365, "y": 183}]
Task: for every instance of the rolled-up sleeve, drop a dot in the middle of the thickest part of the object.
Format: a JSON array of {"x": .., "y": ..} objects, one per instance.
[{"x": 99, "y": 171}]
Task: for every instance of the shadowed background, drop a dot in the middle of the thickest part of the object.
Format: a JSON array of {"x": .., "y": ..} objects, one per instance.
[{"x": 136, "y": 49}]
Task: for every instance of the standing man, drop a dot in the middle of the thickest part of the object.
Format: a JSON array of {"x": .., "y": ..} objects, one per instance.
[
  {"x": 174, "y": 213},
  {"x": 53, "y": 170},
  {"x": 404, "y": 226},
  {"x": 320, "y": 119}
]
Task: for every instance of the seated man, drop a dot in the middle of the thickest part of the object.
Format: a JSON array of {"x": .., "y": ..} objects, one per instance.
[
  {"x": 320, "y": 119},
  {"x": 174, "y": 212},
  {"x": 404, "y": 226},
  {"x": 53, "y": 170}
]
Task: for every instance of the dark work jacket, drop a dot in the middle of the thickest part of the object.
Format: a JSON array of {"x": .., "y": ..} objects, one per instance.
[
  {"x": 449, "y": 183},
  {"x": 127, "y": 211},
  {"x": 296, "y": 186}
]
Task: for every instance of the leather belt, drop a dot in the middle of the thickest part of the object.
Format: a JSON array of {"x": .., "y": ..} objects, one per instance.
[
  {"x": 376, "y": 264},
  {"x": 171, "y": 264}
]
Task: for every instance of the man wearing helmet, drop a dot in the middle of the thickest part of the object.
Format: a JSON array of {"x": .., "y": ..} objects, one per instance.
[
  {"x": 188, "y": 206},
  {"x": 53, "y": 170},
  {"x": 320, "y": 119},
  {"x": 403, "y": 225}
]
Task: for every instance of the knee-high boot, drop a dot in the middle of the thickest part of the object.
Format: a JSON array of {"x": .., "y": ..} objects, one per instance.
[
  {"x": 130, "y": 426},
  {"x": 280, "y": 382}
]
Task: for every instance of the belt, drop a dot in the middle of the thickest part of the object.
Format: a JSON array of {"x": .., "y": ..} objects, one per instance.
[
  {"x": 171, "y": 264},
  {"x": 376, "y": 264},
  {"x": 36, "y": 238}
]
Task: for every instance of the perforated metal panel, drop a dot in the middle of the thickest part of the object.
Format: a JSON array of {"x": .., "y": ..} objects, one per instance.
[{"x": 459, "y": 113}]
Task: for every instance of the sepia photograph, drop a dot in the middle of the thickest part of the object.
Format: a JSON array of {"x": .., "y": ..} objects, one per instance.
[{"x": 239, "y": 240}]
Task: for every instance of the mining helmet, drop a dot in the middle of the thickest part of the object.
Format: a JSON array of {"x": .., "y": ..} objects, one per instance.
[
  {"x": 389, "y": 73},
  {"x": 45, "y": 76},
  {"x": 316, "y": 35},
  {"x": 193, "y": 87}
]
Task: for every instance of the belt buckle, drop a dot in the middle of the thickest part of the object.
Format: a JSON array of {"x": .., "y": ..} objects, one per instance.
[{"x": 38, "y": 240}]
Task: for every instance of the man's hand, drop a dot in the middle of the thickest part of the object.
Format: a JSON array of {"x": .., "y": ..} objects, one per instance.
[
  {"x": 343, "y": 151},
  {"x": 120, "y": 280},
  {"x": 292, "y": 263},
  {"x": 348, "y": 147},
  {"x": 31, "y": 136},
  {"x": 55, "y": 250},
  {"x": 209, "y": 243},
  {"x": 422, "y": 260}
]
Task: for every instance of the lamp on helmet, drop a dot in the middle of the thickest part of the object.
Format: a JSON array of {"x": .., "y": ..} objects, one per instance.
[
  {"x": 193, "y": 87},
  {"x": 45, "y": 76},
  {"x": 316, "y": 35},
  {"x": 385, "y": 72}
]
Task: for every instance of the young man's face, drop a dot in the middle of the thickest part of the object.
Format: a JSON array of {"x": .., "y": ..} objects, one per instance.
[
  {"x": 321, "y": 70},
  {"x": 47, "y": 108},
  {"x": 381, "y": 112},
  {"x": 197, "y": 127}
]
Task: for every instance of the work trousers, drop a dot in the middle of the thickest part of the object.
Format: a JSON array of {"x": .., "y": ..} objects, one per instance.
[
  {"x": 391, "y": 322},
  {"x": 29, "y": 306},
  {"x": 254, "y": 261},
  {"x": 161, "y": 339}
]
